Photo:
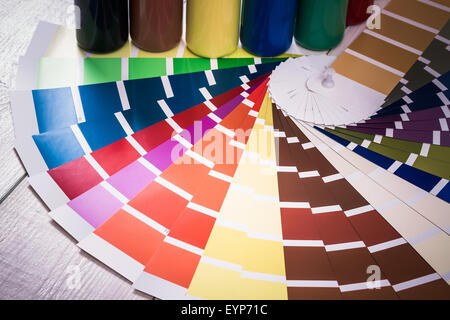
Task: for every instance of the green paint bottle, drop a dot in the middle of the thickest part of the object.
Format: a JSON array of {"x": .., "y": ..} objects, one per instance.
[{"x": 320, "y": 23}]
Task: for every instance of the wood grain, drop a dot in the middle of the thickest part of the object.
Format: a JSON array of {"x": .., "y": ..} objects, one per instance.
[
  {"x": 18, "y": 20},
  {"x": 37, "y": 259}
]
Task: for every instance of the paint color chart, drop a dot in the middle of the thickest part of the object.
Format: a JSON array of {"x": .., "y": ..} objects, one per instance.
[
  {"x": 314, "y": 177},
  {"x": 63, "y": 72}
]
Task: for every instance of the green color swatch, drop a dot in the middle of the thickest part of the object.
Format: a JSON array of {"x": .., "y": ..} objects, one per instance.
[
  {"x": 426, "y": 164},
  {"x": 140, "y": 68},
  {"x": 102, "y": 70},
  {"x": 64, "y": 72}
]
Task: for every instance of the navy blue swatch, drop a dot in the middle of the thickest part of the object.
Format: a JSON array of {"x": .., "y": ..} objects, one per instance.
[
  {"x": 423, "y": 98},
  {"x": 100, "y": 99},
  {"x": 419, "y": 178}
]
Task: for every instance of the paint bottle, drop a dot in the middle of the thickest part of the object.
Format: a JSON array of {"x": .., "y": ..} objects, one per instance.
[
  {"x": 103, "y": 25},
  {"x": 212, "y": 27},
  {"x": 267, "y": 26},
  {"x": 156, "y": 25},
  {"x": 357, "y": 11},
  {"x": 320, "y": 24}
]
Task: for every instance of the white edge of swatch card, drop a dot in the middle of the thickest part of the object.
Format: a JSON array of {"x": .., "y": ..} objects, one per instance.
[
  {"x": 71, "y": 222},
  {"x": 112, "y": 257},
  {"x": 48, "y": 190},
  {"x": 391, "y": 183},
  {"x": 421, "y": 215},
  {"x": 30, "y": 155},
  {"x": 25, "y": 125},
  {"x": 23, "y": 113},
  {"x": 362, "y": 99},
  {"x": 27, "y": 73},
  {"x": 160, "y": 288},
  {"x": 41, "y": 40}
]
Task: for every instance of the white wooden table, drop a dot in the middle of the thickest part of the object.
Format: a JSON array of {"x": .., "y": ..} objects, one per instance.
[{"x": 37, "y": 259}]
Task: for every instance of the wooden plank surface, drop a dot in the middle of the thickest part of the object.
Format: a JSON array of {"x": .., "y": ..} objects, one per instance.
[
  {"x": 18, "y": 20},
  {"x": 37, "y": 259}
]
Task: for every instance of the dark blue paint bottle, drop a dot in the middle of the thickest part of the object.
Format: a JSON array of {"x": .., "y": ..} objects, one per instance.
[{"x": 268, "y": 26}]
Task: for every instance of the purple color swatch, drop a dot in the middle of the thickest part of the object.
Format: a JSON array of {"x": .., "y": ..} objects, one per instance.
[
  {"x": 132, "y": 179},
  {"x": 428, "y": 114},
  {"x": 165, "y": 154},
  {"x": 223, "y": 111},
  {"x": 96, "y": 205},
  {"x": 419, "y": 125},
  {"x": 412, "y": 135}
]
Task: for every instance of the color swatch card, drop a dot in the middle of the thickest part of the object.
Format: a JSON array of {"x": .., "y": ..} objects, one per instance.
[
  {"x": 380, "y": 59},
  {"x": 293, "y": 87},
  {"x": 175, "y": 186},
  {"x": 415, "y": 228},
  {"x": 44, "y": 73},
  {"x": 243, "y": 258},
  {"x": 408, "y": 141},
  {"x": 432, "y": 63},
  {"x": 315, "y": 226},
  {"x": 130, "y": 178},
  {"x": 130, "y": 107},
  {"x": 435, "y": 94},
  {"x": 415, "y": 128},
  {"x": 406, "y": 155},
  {"x": 392, "y": 156},
  {"x": 74, "y": 103},
  {"x": 247, "y": 178},
  {"x": 370, "y": 68}
]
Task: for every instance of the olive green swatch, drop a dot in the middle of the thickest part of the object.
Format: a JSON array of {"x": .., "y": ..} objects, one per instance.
[{"x": 427, "y": 164}]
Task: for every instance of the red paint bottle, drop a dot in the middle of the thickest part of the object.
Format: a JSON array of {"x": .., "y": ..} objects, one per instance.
[{"x": 357, "y": 11}]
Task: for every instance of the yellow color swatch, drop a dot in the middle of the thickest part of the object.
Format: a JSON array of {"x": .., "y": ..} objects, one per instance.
[{"x": 244, "y": 257}]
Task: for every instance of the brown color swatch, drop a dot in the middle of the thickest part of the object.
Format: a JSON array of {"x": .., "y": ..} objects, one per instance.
[
  {"x": 307, "y": 263},
  {"x": 435, "y": 290},
  {"x": 298, "y": 224},
  {"x": 401, "y": 264},
  {"x": 384, "y": 52},
  {"x": 443, "y": 2},
  {"x": 384, "y": 293},
  {"x": 419, "y": 12},
  {"x": 314, "y": 294},
  {"x": 405, "y": 33},
  {"x": 366, "y": 73},
  {"x": 351, "y": 265},
  {"x": 373, "y": 229},
  {"x": 398, "y": 264},
  {"x": 349, "y": 197}
]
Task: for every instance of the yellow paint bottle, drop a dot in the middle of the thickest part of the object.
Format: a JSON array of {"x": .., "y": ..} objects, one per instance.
[{"x": 212, "y": 27}]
